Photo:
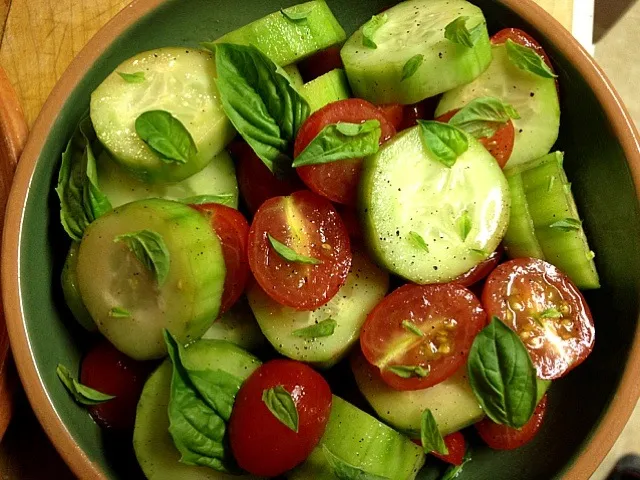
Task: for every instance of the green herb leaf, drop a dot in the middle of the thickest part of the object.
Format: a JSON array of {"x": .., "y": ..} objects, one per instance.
[
  {"x": 81, "y": 200},
  {"x": 446, "y": 142},
  {"x": 371, "y": 27},
  {"x": 345, "y": 471},
  {"x": 527, "y": 59},
  {"x": 295, "y": 15},
  {"x": 341, "y": 141},
  {"x": 430, "y": 435},
  {"x": 457, "y": 32},
  {"x": 551, "y": 313},
  {"x": 325, "y": 328},
  {"x": 567, "y": 224},
  {"x": 502, "y": 375},
  {"x": 409, "y": 371},
  {"x": 482, "y": 117},
  {"x": 419, "y": 242},
  {"x": 464, "y": 225},
  {"x": 290, "y": 255},
  {"x": 412, "y": 327},
  {"x": 166, "y": 136},
  {"x": 150, "y": 249},
  {"x": 455, "y": 470},
  {"x": 222, "y": 199},
  {"x": 412, "y": 66},
  {"x": 137, "y": 77},
  {"x": 118, "y": 312},
  {"x": 81, "y": 393},
  {"x": 282, "y": 406},
  {"x": 260, "y": 102}
]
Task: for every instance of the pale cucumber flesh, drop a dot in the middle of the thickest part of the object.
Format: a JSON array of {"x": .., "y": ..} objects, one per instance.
[
  {"x": 328, "y": 88},
  {"x": 238, "y": 326}
]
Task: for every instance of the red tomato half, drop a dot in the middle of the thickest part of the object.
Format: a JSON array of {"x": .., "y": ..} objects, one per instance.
[
  {"x": 480, "y": 271},
  {"x": 518, "y": 36},
  {"x": 262, "y": 444},
  {"x": 310, "y": 226},
  {"x": 501, "y": 437},
  {"x": 233, "y": 231},
  {"x": 546, "y": 309},
  {"x": 351, "y": 221},
  {"x": 419, "y": 335},
  {"x": 455, "y": 444},
  {"x": 110, "y": 371},
  {"x": 407, "y": 116},
  {"x": 338, "y": 181},
  {"x": 320, "y": 63}
]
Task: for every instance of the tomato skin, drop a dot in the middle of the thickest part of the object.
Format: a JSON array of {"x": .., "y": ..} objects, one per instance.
[
  {"x": 338, "y": 181},
  {"x": 455, "y": 444},
  {"x": 320, "y": 63},
  {"x": 233, "y": 231},
  {"x": 450, "y": 317},
  {"x": 519, "y": 291},
  {"x": 501, "y": 437},
  {"x": 405, "y": 116},
  {"x": 109, "y": 371},
  {"x": 351, "y": 221},
  {"x": 318, "y": 232},
  {"x": 482, "y": 270},
  {"x": 263, "y": 445},
  {"x": 522, "y": 38}
]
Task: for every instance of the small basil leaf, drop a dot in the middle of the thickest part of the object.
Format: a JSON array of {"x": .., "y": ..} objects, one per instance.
[
  {"x": 290, "y": 255},
  {"x": 323, "y": 329},
  {"x": 457, "y": 32},
  {"x": 418, "y": 241},
  {"x": 341, "y": 141},
  {"x": 371, "y": 27},
  {"x": 81, "y": 393},
  {"x": 527, "y": 59},
  {"x": 430, "y": 435},
  {"x": 551, "y": 313},
  {"x": 482, "y": 117},
  {"x": 295, "y": 15},
  {"x": 150, "y": 250},
  {"x": 137, "y": 77},
  {"x": 409, "y": 371},
  {"x": 411, "y": 67},
  {"x": 222, "y": 199},
  {"x": 446, "y": 142},
  {"x": 464, "y": 225},
  {"x": 567, "y": 224},
  {"x": 166, "y": 136},
  {"x": 502, "y": 375},
  {"x": 118, "y": 312},
  {"x": 345, "y": 471},
  {"x": 412, "y": 327},
  {"x": 282, "y": 406},
  {"x": 455, "y": 470}
]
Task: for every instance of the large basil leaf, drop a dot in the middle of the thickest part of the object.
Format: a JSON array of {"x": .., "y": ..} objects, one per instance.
[
  {"x": 483, "y": 116},
  {"x": 151, "y": 250},
  {"x": 166, "y": 136}
]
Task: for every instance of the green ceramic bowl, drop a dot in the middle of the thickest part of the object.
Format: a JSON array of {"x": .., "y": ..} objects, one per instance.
[{"x": 588, "y": 408}]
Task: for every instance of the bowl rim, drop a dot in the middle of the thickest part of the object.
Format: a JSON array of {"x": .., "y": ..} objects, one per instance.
[{"x": 611, "y": 424}]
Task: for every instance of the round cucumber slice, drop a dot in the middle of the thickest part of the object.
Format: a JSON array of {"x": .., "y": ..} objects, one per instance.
[
  {"x": 71, "y": 291},
  {"x": 124, "y": 297},
  {"x": 461, "y": 213},
  {"x": 534, "y": 98},
  {"x": 366, "y": 285},
  {"x": 239, "y": 327},
  {"x": 416, "y": 28},
  {"x": 180, "y": 81}
]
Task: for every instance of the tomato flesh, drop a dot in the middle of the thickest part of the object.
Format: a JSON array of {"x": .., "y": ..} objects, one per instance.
[
  {"x": 428, "y": 327},
  {"x": 546, "y": 309},
  {"x": 310, "y": 226},
  {"x": 407, "y": 116},
  {"x": 480, "y": 271},
  {"x": 262, "y": 444},
  {"x": 320, "y": 63}
]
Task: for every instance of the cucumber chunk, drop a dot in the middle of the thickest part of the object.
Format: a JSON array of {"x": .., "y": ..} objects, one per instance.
[
  {"x": 405, "y": 189},
  {"x": 328, "y": 88},
  {"x": 535, "y": 99},
  {"x": 362, "y": 441},
  {"x": 416, "y": 27},
  {"x": 218, "y": 178},
  {"x": 520, "y": 240},
  {"x": 294, "y": 76},
  {"x": 71, "y": 291},
  {"x": 180, "y": 81},
  {"x": 153, "y": 446},
  {"x": 110, "y": 276},
  {"x": 366, "y": 285},
  {"x": 239, "y": 327},
  {"x": 286, "y": 41}
]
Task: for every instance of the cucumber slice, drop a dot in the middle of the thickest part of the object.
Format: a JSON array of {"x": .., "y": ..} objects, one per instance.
[
  {"x": 294, "y": 76},
  {"x": 110, "y": 276},
  {"x": 366, "y": 285},
  {"x": 178, "y": 80},
  {"x": 218, "y": 178},
  {"x": 239, "y": 327},
  {"x": 153, "y": 446},
  {"x": 535, "y": 98},
  {"x": 520, "y": 240},
  {"x": 71, "y": 291},
  {"x": 328, "y": 88},
  {"x": 362, "y": 441},
  {"x": 286, "y": 41},
  {"x": 405, "y": 189},
  {"x": 416, "y": 27}
]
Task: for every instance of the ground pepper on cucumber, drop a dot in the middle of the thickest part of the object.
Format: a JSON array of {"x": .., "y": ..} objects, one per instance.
[{"x": 416, "y": 154}]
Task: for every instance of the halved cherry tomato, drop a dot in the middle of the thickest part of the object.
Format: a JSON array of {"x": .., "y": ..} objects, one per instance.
[
  {"x": 394, "y": 113},
  {"x": 546, "y": 309},
  {"x": 233, "y": 231},
  {"x": 349, "y": 216},
  {"x": 407, "y": 116},
  {"x": 419, "y": 335},
  {"x": 522, "y": 38},
  {"x": 338, "y": 181},
  {"x": 501, "y": 437},
  {"x": 310, "y": 226},
  {"x": 455, "y": 444},
  {"x": 262, "y": 444},
  {"x": 320, "y": 63},
  {"x": 480, "y": 271},
  {"x": 109, "y": 371}
]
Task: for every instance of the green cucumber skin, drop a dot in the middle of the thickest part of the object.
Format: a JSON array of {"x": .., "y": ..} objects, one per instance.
[
  {"x": 331, "y": 87},
  {"x": 110, "y": 276},
  {"x": 295, "y": 77},
  {"x": 238, "y": 326},
  {"x": 286, "y": 42},
  {"x": 520, "y": 240},
  {"x": 376, "y": 74},
  {"x": 71, "y": 291}
]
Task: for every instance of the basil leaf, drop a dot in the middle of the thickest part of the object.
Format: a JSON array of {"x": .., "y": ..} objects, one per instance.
[
  {"x": 412, "y": 327},
  {"x": 296, "y": 16},
  {"x": 417, "y": 239},
  {"x": 409, "y": 371},
  {"x": 290, "y": 255},
  {"x": 118, "y": 312},
  {"x": 371, "y": 27},
  {"x": 502, "y": 375},
  {"x": 222, "y": 199},
  {"x": 412, "y": 66},
  {"x": 323, "y": 329},
  {"x": 137, "y": 77},
  {"x": 81, "y": 393},
  {"x": 527, "y": 59},
  {"x": 166, "y": 136},
  {"x": 464, "y": 225},
  {"x": 341, "y": 141},
  {"x": 150, "y": 249},
  {"x": 260, "y": 102},
  {"x": 199, "y": 409},
  {"x": 457, "y": 32},
  {"x": 445, "y": 141},
  {"x": 345, "y": 471},
  {"x": 567, "y": 224},
  {"x": 455, "y": 470},
  {"x": 81, "y": 200},
  {"x": 551, "y": 313},
  {"x": 482, "y": 117},
  {"x": 282, "y": 406},
  {"x": 430, "y": 436}
]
